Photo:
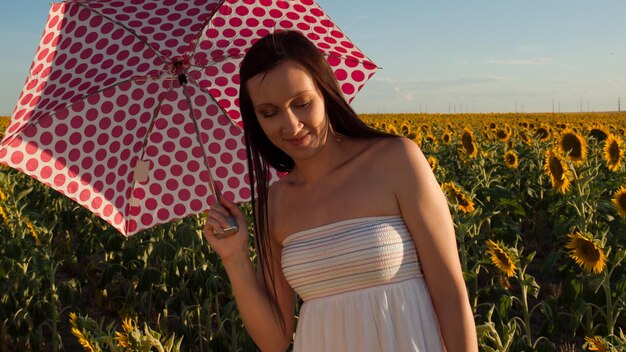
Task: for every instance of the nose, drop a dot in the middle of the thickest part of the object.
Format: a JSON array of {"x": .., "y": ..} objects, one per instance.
[{"x": 291, "y": 124}]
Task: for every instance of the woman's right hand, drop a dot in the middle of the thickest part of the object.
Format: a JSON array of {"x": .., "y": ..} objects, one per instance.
[{"x": 228, "y": 247}]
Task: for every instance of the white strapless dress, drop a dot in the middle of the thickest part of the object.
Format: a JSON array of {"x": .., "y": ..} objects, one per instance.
[{"x": 362, "y": 287}]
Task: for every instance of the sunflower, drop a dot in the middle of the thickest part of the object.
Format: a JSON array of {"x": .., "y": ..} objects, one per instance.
[
  {"x": 463, "y": 202},
  {"x": 122, "y": 338},
  {"x": 417, "y": 139},
  {"x": 432, "y": 161},
  {"x": 468, "y": 143},
  {"x": 431, "y": 140},
  {"x": 619, "y": 201},
  {"x": 511, "y": 159},
  {"x": 586, "y": 251},
  {"x": 3, "y": 197},
  {"x": 599, "y": 133},
  {"x": 559, "y": 172},
  {"x": 392, "y": 130},
  {"x": 503, "y": 134},
  {"x": 3, "y": 215},
  {"x": 543, "y": 133},
  {"x": 525, "y": 137},
  {"x": 597, "y": 343},
  {"x": 573, "y": 146},
  {"x": 405, "y": 129},
  {"x": 81, "y": 335},
  {"x": 32, "y": 231},
  {"x": 446, "y": 137},
  {"x": 613, "y": 152},
  {"x": 501, "y": 258}
]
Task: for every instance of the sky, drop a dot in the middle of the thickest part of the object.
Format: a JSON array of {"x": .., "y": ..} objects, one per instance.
[{"x": 438, "y": 56}]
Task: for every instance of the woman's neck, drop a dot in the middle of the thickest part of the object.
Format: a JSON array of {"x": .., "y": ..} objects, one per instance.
[{"x": 335, "y": 153}]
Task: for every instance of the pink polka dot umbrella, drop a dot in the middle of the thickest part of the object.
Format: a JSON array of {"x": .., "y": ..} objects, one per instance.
[{"x": 131, "y": 109}]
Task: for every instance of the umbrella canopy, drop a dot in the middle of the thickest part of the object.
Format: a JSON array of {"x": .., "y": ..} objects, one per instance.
[{"x": 131, "y": 107}]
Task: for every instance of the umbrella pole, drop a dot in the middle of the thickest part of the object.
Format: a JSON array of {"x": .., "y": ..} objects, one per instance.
[{"x": 232, "y": 227}]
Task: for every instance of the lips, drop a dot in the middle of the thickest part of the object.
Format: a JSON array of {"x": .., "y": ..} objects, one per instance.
[{"x": 298, "y": 140}]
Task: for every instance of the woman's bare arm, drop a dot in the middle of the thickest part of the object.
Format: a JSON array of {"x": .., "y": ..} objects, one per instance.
[
  {"x": 260, "y": 313},
  {"x": 426, "y": 213}
]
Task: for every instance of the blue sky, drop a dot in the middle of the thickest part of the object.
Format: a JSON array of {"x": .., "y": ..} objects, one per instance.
[{"x": 439, "y": 56}]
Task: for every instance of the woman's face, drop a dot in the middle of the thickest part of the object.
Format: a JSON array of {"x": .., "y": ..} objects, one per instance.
[{"x": 290, "y": 109}]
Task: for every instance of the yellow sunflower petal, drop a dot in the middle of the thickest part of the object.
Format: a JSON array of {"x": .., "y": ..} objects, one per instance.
[{"x": 586, "y": 252}]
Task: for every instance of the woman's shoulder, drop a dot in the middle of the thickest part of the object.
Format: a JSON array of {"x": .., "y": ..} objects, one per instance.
[{"x": 394, "y": 150}]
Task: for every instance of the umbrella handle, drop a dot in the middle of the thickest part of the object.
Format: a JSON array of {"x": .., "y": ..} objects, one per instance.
[
  {"x": 232, "y": 227},
  {"x": 229, "y": 230}
]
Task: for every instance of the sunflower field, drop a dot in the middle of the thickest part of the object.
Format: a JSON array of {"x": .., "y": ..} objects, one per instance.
[{"x": 538, "y": 201}]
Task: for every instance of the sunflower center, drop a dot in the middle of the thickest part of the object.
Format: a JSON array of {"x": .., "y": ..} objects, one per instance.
[
  {"x": 556, "y": 168},
  {"x": 467, "y": 142},
  {"x": 572, "y": 145},
  {"x": 598, "y": 134},
  {"x": 614, "y": 152},
  {"x": 621, "y": 199},
  {"x": 590, "y": 251},
  {"x": 503, "y": 258},
  {"x": 542, "y": 133}
]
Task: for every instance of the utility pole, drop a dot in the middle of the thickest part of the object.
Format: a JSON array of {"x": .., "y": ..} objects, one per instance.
[
  {"x": 581, "y": 104},
  {"x": 619, "y": 106}
]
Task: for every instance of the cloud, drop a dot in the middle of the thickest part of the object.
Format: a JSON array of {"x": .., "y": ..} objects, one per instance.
[{"x": 529, "y": 61}]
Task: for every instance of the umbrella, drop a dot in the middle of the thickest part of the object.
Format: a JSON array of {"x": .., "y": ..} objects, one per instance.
[{"x": 130, "y": 107}]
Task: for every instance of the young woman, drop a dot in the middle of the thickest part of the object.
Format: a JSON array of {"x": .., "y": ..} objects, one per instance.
[{"x": 358, "y": 227}]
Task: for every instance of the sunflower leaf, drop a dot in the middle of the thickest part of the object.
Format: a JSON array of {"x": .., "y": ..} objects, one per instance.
[
  {"x": 532, "y": 285},
  {"x": 505, "y": 304}
]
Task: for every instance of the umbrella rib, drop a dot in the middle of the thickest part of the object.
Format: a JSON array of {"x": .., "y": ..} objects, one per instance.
[
  {"x": 204, "y": 26},
  {"x": 214, "y": 189},
  {"x": 130, "y": 30},
  {"x": 155, "y": 114},
  {"x": 216, "y": 103}
]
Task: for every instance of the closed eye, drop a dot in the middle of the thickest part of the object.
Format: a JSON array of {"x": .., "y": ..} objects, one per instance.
[
  {"x": 303, "y": 104},
  {"x": 267, "y": 113}
]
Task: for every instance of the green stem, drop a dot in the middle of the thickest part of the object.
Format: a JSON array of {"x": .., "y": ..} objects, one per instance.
[
  {"x": 609, "y": 306},
  {"x": 527, "y": 326},
  {"x": 524, "y": 289},
  {"x": 53, "y": 302}
]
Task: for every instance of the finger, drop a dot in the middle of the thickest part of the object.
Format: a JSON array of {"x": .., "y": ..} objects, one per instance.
[
  {"x": 234, "y": 210},
  {"x": 211, "y": 227},
  {"x": 218, "y": 221},
  {"x": 219, "y": 209}
]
